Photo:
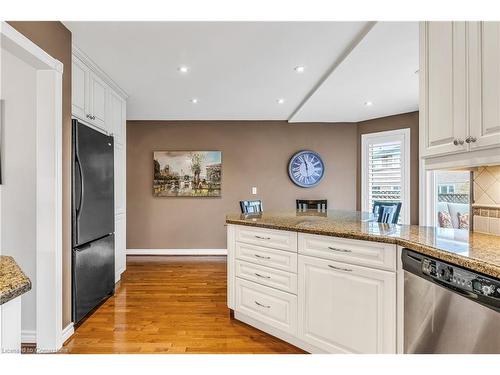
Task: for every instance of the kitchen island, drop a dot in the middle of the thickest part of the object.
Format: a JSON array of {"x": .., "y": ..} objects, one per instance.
[{"x": 333, "y": 281}]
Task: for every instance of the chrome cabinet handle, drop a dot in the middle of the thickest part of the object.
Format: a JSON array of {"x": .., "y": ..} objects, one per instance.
[
  {"x": 459, "y": 142},
  {"x": 263, "y": 238},
  {"x": 339, "y": 268},
  {"x": 261, "y": 305},
  {"x": 470, "y": 139},
  {"x": 264, "y": 277},
  {"x": 261, "y": 257},
  {"x": 340, "y": 250},
  {"x": 87, "y": 115}
]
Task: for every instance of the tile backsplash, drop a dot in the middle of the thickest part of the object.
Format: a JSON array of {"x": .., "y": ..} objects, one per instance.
[{"x": 486, "y": 206}]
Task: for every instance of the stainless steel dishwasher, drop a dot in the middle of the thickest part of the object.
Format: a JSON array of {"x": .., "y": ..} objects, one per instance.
[{"x": 448, "y": 309}]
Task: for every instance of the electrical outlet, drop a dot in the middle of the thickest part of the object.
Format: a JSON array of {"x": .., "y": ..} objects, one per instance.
[{"x": 254, "y": 190}]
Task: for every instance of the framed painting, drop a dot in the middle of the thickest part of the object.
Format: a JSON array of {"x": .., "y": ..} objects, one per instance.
[{"x": 187, "y": 173}]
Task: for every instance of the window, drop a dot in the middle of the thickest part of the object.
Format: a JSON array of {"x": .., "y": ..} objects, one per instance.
[
  {"x": 451, "y": 199},
  {"x": 385, "y": 170}
]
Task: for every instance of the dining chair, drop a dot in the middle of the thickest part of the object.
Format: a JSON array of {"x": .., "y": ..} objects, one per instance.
[
  {"x": 313, "y": 204},
  {"x": 251, "y": 207},
  {"x": 387, "y": 212}
]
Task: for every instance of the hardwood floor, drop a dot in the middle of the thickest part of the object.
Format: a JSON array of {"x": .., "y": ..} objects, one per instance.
[{"x": 171, "y": 304}]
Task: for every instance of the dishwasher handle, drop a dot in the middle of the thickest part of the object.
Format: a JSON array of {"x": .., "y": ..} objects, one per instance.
[{"x": 412, "y": 262}]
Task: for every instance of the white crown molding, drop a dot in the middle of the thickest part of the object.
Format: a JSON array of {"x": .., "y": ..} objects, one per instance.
[
  {"x": 176, "y": 252},
  {"x": 92, "y": 65}
]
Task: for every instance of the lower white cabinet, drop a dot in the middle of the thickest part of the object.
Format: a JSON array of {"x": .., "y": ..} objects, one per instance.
[
  {"x": 267, "y": 305},
  {"x": 345, "y": 308}
]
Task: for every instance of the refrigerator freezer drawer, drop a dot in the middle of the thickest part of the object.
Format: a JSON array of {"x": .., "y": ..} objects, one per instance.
[{"x": 93, "y": 275}]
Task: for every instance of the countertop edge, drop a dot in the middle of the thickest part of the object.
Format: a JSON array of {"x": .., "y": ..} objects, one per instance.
[
  {"x": 21, "y": 287},
  {"x": 484, "y": 267}
]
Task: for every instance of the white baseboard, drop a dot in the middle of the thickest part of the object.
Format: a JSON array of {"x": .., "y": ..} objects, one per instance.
[
  {"x": 67, "y": 332},
  {"x": 28, "y": 337},
  {"x": 176, "y": 252}
]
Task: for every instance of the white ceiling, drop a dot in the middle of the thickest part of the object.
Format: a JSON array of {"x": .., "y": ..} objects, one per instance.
[
  {"x": 238, "y": 70},
  {"x": 381, "y": 69}
]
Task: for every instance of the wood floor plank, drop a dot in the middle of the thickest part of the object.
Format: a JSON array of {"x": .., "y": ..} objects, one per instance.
[{"x": 171, "y": 304}]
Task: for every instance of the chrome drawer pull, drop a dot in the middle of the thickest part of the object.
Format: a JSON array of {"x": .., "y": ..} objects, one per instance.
[
  {"x": 264, "y": 277},
  {"x": 263, "y": 238},
  {"x": 339, "y": 268},
  {"x": 261, "y": 257},
  {"x": 261, "y": 305},
  {"x": 341, "y": 250}
]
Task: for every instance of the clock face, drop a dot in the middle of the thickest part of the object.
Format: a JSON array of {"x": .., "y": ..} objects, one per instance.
[{"x": 306, "y": 168}]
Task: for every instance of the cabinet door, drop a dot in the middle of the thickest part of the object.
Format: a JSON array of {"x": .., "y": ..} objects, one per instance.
[
  {"x": 97, "y": 102},
  {"x": 443, "y": 82},
  {"x": 484, "y": 84},
  {"x": 79, "y": 89},
  {"x": 115, "y": 118},
  {"x": 120, "y": 246},
  {"x": 120, "y": 178},
  {"x": 345, "y": 308}
]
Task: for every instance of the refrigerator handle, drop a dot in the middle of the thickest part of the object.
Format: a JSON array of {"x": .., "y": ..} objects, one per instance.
[{"x": 80, "y": 200}]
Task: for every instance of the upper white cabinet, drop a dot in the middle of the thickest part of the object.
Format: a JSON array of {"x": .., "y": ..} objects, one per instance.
[
  {"x": 79, "y": 82},
  {"x": 97, "y": 102},
  {"x": 345, "y": 308},
  {"x": 444, "y": 81},
  {"x": 459, "y": 87},
  {"x": 116, "y": 116},
  {"x": 484, "y": 88}
]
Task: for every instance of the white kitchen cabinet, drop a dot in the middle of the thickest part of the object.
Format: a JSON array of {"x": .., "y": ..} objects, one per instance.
[
  {"x": 79, "y": 89},
  {"x": 97, "y": 102},
  {"x": 120, "y": 245},
  {"x": 345, "y": 308},
  {"x": 443, "y": 88},
  {"x": 460, "y": 92},
  {"x": 484, "y": 84},
  {"x": 116, "y": 116},
  {"x": 89, "y": 95}
]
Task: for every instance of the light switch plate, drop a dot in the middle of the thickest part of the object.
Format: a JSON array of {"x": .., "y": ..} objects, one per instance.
[{"x": 254, "y": 190}]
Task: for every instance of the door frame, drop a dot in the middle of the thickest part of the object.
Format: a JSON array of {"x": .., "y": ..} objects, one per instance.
[{"x": 48, "y": 252}]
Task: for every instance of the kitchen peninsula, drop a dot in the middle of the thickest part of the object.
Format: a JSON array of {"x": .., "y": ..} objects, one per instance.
[{"x": 283, "y": 265}]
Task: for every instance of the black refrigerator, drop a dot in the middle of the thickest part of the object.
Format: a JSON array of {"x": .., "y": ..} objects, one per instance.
[{"x": 93, "y": 255}]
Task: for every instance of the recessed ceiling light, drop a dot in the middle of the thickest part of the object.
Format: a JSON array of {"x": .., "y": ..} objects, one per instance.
[
  {"x": 368, "y": 104},
  {"x": 194, "y": 100},
  {"x": 300, "y": 69},
  {"x": 183, "y": 69},
  {"x": 280, "y": 101}
]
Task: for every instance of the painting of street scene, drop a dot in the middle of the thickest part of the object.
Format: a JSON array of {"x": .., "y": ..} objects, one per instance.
[{"x": 187, "y": 173}]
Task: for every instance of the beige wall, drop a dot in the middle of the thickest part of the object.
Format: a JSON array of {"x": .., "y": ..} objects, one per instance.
[
  {"x": 406, "y": 120},
  {"x": 55, "y": 39},
  {"x": 253, "y": 154}
]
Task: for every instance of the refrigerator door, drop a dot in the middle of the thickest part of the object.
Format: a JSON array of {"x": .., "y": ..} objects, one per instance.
[
  {"x": 93, "y": 184},
  {"x": 93, "y": 275}
]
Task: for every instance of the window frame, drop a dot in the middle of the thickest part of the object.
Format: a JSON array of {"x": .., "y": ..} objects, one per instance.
[{"x": 402, "y": 135}]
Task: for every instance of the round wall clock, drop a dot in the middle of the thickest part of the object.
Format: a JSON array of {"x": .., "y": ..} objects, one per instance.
[{"x": 306, "y": 168}]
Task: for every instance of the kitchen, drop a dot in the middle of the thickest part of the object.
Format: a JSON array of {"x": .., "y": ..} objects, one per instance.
[{"x": 347, "y": 200}]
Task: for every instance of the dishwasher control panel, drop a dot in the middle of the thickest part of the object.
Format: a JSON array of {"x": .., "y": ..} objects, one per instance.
[{"x": 460, "y": 278}]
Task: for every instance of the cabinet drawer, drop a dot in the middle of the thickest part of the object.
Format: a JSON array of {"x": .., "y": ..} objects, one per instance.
[
  {"x": 270, "y": 306},
  {"x": 282, "y": 260},
  {"x": 282, "y": 280},
  {"x": 277, "y": 239},
  {"x": 365, "y": 253}
]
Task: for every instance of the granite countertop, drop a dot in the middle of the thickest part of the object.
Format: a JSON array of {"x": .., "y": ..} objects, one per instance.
[
  {"x": 477, "y": 251},
  {"x": 13, "y": 282}
]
